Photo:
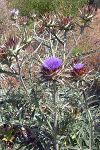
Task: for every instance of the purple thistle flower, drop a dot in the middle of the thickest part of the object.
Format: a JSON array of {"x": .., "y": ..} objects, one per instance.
[
  {"x": 15, "y": 12},
  {"x": 52, "y": 63},
  {"x": 51, "y": 67},
  {"x": 78, "y": 66},
  {"x": 79, "y": 69}
]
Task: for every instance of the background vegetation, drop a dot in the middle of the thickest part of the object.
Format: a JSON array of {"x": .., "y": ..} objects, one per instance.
[{"x": 65, "y": 7}]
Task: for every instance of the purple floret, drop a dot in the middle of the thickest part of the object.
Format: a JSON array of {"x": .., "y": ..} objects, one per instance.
[
  {"x": 52, "y": 63},
  {"x": 14, "y": 11},
  {"x": 78, "y": 66}
]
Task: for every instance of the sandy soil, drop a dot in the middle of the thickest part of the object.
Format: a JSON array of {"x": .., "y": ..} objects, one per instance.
[{"x": 94, "y": 34}]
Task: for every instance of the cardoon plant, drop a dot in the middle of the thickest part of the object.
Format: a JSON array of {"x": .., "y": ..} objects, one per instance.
[{"x": 54, "y": 114}]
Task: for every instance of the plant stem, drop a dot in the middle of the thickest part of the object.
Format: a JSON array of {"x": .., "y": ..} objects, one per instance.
[
  {"x": 91, "y": 132},
  {"x": 54, "y": 96},
  {"x": 90, "y": 121}
]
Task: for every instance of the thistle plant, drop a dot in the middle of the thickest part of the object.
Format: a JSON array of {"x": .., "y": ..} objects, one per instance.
[{"x": 46, "y": 99}]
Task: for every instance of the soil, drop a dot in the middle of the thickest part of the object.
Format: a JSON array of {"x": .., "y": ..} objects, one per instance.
[{"x": 91, "y": 42}]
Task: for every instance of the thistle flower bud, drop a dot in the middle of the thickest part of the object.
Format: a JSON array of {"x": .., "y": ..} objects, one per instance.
[
  {"x": 3, "y": 54},
  {"x": 12, "y": 42},
  {"x": 79, "y": 69},
  {"x": 66, "y": 23},
  {"x": 14, "y": 13}
]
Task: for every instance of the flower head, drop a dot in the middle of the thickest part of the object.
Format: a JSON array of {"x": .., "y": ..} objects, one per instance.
[
  {"x": 67, "y": 20},
  {"x": 23, "y": 20},
  {"x": 52, "y": 63},
  {"x": 12, "y": 42},
  {"x": 78, "y": 66},
  {"x": 14, "y": 13},
  {"x": 66, "y": 23},
  {"x": 79, "y": 69},
  {"x": 89, "y": 11},
  {"x": 51, "y": 67},
  {"x": 3, "y": 54}
]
